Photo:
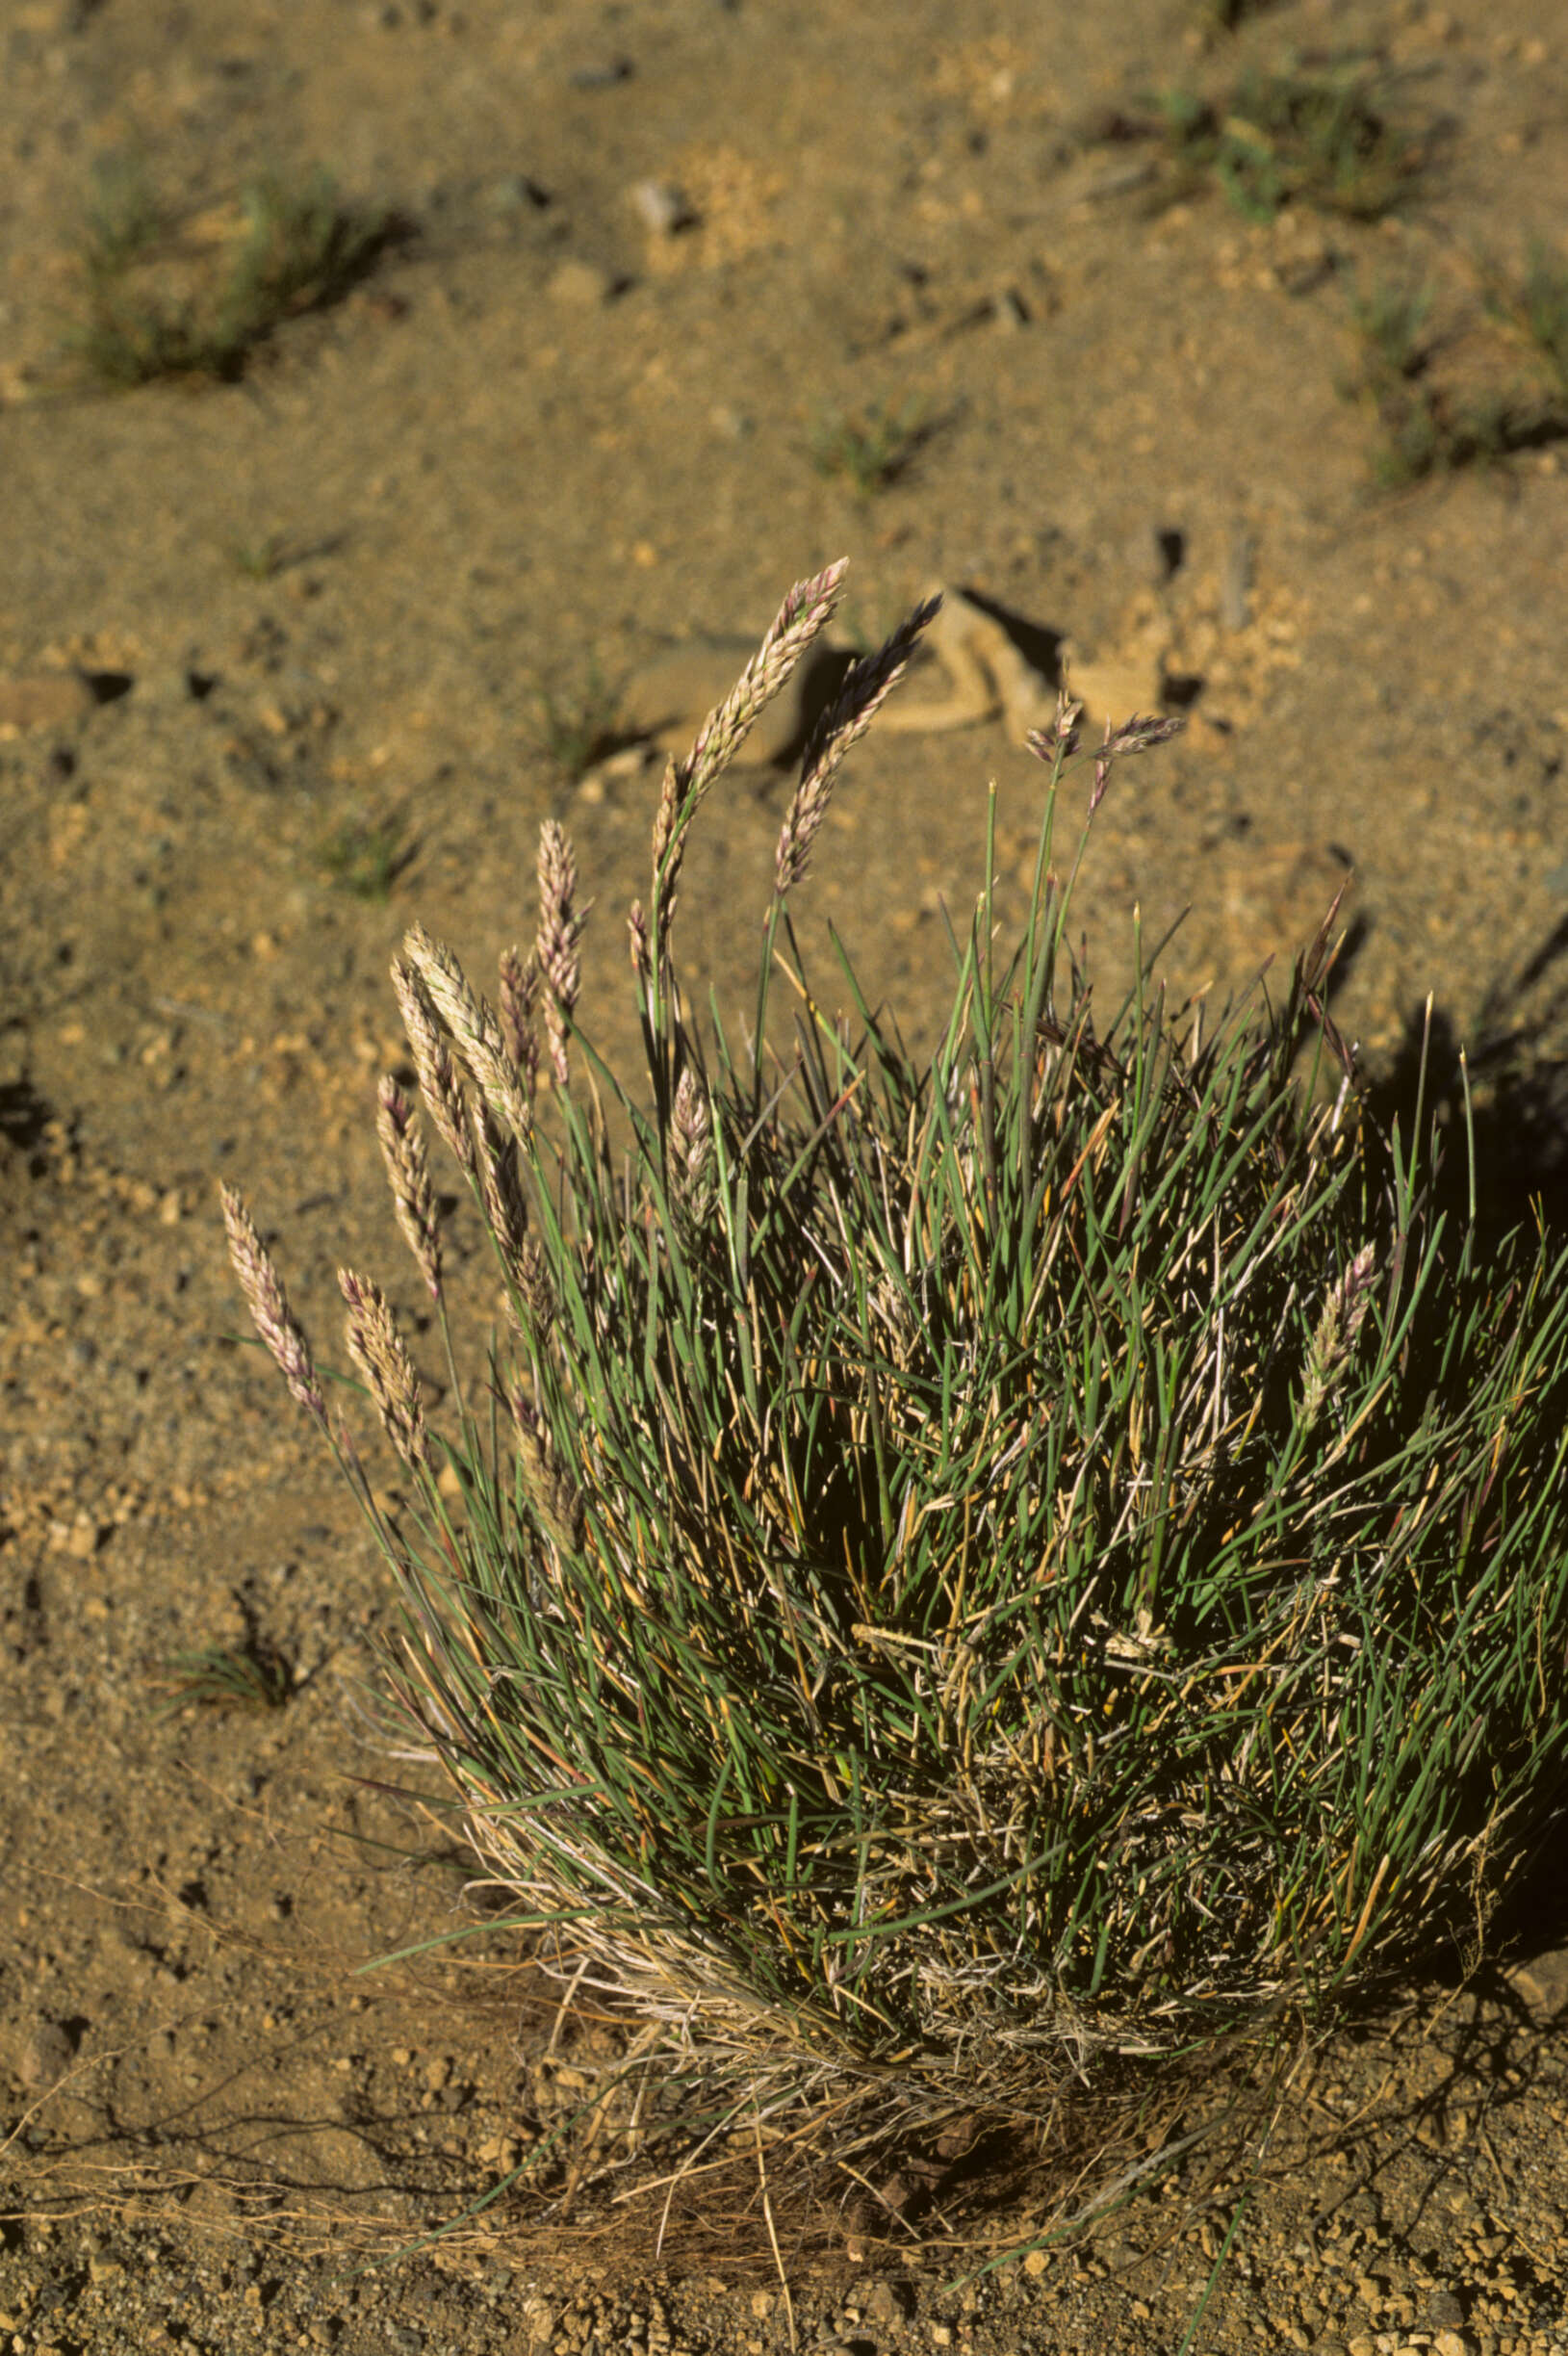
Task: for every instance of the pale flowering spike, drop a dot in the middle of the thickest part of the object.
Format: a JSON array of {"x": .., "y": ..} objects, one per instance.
[
  {"x": 805, "y": 613},
  {"x": 408, "y": 1168},
  {"x": 1144, "y": 729},
  {"x": 519, "y": 994},
  {"x": 803, "y": 616},
  {"x": 558, "y": 953},
  {"x": 439, "y": 1084},
  {"x": 1102, "y": 773},
  {"x": 536, "y": 1286},
  {"x": 1355, "y": 1290},
  {"x": 671, "y": 787},
  {"x": 1339, "y": 1322},
  {"x": 867, "y": 685},
  {"x": 378, "y": 1350},
  {"x": 552, "y": 1490},
  {"x": 691, "y": 1152},
  {"x": 473, "y": 1030},
  {"x": 637, "y": 942},
  {"x": 268, "y": 1305},
  {"x": 505, "y": 1207}
]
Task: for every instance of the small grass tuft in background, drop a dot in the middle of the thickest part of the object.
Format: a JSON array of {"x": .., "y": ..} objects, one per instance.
[
  {"x": 170, "y": 294},
  {"x": 1448, "y": 389},
  {"x": 260, "y": 559},
  {"x": 1391, "y": 320},
  {"x": 219, "y": 1677},
  {"x": 872, "y": 450},
  {"x": 364, "y": 857},
  {"x": 578, "y": 720},
  {"x": 1536, "y": 306},
  {"x": 1328, "y": 139},
  {"x": 122, "y": 220}
]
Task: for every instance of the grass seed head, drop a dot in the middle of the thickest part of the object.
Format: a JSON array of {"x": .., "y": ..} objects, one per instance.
[
  {"x": 691, "y": 1154},
  {"x": 408, "y": 1171},
  {"x": 269, "y": 1304},
  {"x": 520, "y": 980},
  {"x": 473, "y": 1030},
  {"x": 439, "y": 1084},
  {"x": 802, "y": 617},
  {"x": 505, "y": 1205},
  {"x": 867, "y": 688},
  {"x": 558, "y": 953},
  {"x": 639, "y": 948},
  {"x": 1335, "y": 1336},
  {"x": 379, "y": 1352},
  {"x": 552, "y": 1492}
]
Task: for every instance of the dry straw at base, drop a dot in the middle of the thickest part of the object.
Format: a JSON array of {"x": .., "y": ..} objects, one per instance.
[{"x": 966, "y": 1565}]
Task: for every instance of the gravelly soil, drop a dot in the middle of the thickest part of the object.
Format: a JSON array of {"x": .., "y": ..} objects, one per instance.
[{"x": 238, "y": 618}]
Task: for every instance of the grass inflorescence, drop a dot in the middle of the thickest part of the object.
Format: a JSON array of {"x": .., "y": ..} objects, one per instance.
[{"x": 967, "y": 1570}]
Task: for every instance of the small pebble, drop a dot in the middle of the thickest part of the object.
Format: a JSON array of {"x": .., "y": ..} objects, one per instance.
[
  {"x": 514, "y": 192},
  {"x": 661, "y": 207}
]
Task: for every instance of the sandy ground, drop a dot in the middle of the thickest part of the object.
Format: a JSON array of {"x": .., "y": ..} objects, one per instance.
[{"x": 550, "y": 435}]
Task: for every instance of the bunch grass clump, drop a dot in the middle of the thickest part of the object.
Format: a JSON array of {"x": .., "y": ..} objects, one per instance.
[
  {"x": 164, "y": 302},
  {"x": 1434, "y": 413},
  {"x": 364, "y": 857},
  {"x": 1541, "y": 307},
  {"x": 1329, "y": 140},
  {"x": 577, "y": 721},
  {"x": 966, "y": 1565},
  {"x": 874, "y": 450},
  {"x": 219, "y": 1676}
]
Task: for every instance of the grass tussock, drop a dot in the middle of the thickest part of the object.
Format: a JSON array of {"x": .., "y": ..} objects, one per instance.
[
  {"x": 1534, "y": 305},
  {"x": 269, "y": 553},
  {"x": 873, "y": 449},
  {"x": 971, "y": 1573},
  {"x": 222, "y": 1677},
  {"x": 1331, "y": 140},
  {"x": 577, "y": 719},
  {"x": 1452, "y": 382},
  {"x": 170, "y": 296},
  {"x": 364, "y": 857}
]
